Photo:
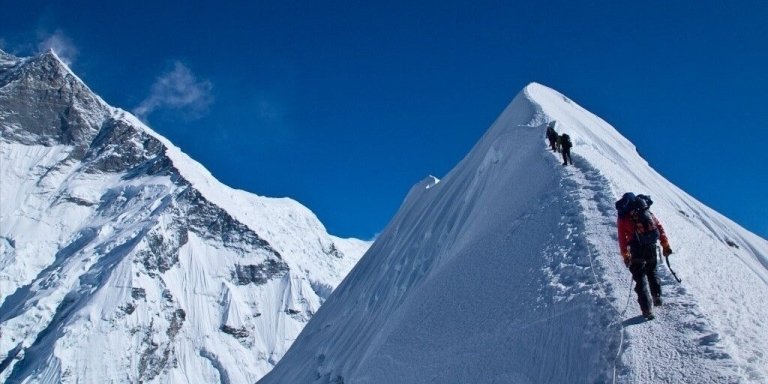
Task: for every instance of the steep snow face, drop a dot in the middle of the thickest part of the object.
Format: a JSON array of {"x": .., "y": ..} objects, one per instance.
[
  {"x": 123, "y": 260},
  {"x": 508, "y": 270}
]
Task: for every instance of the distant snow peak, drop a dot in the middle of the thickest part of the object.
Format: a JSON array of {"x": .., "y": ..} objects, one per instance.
[
  {"x": 61, "y": 46},
  {"x": 50, "y": 52},
  {"x": 115, "y": 243}
]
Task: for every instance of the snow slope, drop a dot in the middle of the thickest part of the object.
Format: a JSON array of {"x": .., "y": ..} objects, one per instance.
[
  {"x": 123, "y": 260},
  {"x": 507, "y": 271}
]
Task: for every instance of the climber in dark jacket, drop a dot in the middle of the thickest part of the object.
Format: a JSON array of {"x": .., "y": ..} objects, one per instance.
[
  {"x": 565, "y": 143},
  {"x": 552, "y": 136}
]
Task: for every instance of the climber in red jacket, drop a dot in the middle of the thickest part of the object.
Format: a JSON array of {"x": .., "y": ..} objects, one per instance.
[{"x": 639, "y": 230}]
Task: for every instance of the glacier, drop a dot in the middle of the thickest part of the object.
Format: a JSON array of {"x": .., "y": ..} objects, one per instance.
[
  {"x": 124, "y": 260},
  {"x": 507, "y": 270}
]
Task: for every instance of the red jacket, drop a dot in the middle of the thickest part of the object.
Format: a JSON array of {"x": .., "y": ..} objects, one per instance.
[{"x": 627, "y": 232}]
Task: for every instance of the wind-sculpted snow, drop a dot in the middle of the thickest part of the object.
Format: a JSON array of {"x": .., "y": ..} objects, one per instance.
[
  {"x": 507, "y": 271},
  {"x": 122, "y": 260}
]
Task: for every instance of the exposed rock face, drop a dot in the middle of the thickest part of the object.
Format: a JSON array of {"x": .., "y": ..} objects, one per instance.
[
  {"x": 47, "y": 105},
  {"x": 114, "y": 243},
  {"x": 259, "y": 274}
]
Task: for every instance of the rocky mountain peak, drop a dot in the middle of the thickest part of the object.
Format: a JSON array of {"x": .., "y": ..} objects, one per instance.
[{"x": 115, "y": 243}]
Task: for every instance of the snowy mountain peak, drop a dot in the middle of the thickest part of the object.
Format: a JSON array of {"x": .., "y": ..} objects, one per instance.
[
  {"x": 53, "y": 57},
  {"x": 50, "y": 54},
  {"x": 508, "y": 270},
  {"x": 115, "y": 243},
  {"x": 50, "y": 104},
  {"x": 535, "y": 88}
]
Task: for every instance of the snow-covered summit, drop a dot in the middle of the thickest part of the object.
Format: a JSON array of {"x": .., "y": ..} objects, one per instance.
[
  {"x": 45, "y": 103},
  {"x": 115, "y": 243},
  {"x": 508, "y": 270}
]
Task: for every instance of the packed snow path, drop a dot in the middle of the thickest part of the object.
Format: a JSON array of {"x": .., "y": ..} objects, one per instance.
[{"x": 680, "y": 345}]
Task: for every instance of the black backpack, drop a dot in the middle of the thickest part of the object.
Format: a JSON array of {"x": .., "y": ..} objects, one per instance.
[
  {"x": 565, "y": 141},
  {"x": 637, "y": 208},
  {"x": 624, "y": 205},
  {"x": 646, "y": 230}
]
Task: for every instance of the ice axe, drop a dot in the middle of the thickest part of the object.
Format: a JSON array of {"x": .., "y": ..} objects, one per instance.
[{"x": 669, "y": 266}]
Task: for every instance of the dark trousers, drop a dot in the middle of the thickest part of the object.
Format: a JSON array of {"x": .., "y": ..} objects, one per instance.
[
  {"x": 567, "y": 156},
  {"x": 642, "y": 266},
  {"x": 552, "y": 143}
]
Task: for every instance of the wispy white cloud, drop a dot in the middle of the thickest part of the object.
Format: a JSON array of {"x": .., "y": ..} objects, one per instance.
[
  {"x": 179, "y": 90},
  {"x": 61, "y": 44}
]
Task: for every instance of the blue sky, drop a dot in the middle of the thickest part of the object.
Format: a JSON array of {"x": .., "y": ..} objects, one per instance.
[{"x": 343, "y": 106}]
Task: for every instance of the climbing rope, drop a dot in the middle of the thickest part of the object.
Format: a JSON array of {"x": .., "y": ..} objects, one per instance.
[
  {"x": 620, "y": 314},
  {"x": 621, "y": 339}
]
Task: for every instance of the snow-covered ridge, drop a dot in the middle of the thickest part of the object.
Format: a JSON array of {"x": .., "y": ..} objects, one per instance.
[
  {"x": 262, "y": 214},
  {"x": 115, "y": 243},
  {"x": 602, "y": 145},
  {"x": 508, "y": 271}
]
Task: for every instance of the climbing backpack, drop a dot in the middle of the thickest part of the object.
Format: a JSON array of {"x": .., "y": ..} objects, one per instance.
[
  {"x": 566, "y": 141},
  {"x": 646, "y": 230},
  {"x": 624, "y": 205}
]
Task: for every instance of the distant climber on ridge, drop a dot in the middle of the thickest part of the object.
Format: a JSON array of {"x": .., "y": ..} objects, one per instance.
[
  {"x": 639, "y": 230},
  {"x": 565, "y": 143},
  {"x": 552, "y": 136}
]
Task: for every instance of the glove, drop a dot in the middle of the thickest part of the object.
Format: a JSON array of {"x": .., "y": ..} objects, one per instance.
[
  {"x": 666, "y": 250},
  {"x": 625, "y": 256}
]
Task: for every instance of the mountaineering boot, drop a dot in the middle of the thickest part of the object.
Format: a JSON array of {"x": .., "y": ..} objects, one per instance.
[
  {"x": 657, "y": 301},
  {"x": 648, "y": 315}
]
